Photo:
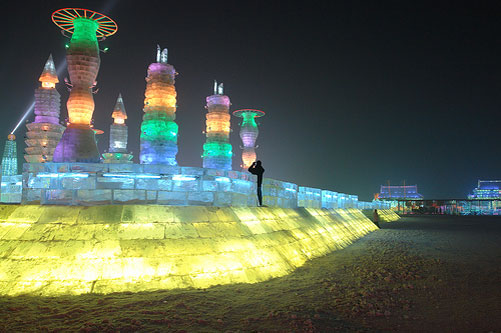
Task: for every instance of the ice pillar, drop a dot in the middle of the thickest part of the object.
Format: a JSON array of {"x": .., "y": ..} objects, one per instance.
[
  {"x": 158, "y": 129},
  {"x": 248, "y": 133},
  {"x": 217, "y": 152},
  {"x": 45, "y": 132},
  {"x": 117, "y": 152},
  {"x": 9, "y": 157}
]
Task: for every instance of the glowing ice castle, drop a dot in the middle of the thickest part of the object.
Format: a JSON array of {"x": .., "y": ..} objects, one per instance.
[
  {"x": 87, "y": 224},
  {"x": 65, "y": 167}
]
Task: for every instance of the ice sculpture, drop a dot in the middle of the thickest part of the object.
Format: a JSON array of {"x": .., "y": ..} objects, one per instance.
[
  {"x": 158, "y": 129},
  {"x": 117, "y": 152},
  {"x": 45, "y": 132},
  {"x": 9, "y": 158},
  {"x": 248, "y": 133},
  {"x": 217, "y": 148},
  {"x": 78, "y": 142}
]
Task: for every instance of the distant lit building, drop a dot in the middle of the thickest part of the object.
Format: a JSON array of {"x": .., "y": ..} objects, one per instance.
[
  {"x": 393, "y": 192},
  {"x": 487, "y": 189}
]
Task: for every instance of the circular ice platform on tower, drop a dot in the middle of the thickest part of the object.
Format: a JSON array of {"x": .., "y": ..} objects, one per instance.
[
  {"x": 64, "y": 17},
  {"x": 256, "y": 113}
]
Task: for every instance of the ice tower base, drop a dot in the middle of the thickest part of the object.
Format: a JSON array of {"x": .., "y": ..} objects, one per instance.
[{"x": 78, "y": 144}]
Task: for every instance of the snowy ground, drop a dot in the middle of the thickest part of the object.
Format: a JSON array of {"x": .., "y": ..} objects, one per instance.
[{"x": 421, "y": 274}]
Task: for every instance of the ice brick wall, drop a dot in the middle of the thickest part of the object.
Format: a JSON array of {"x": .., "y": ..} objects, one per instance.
[
  {"x": 54, "y": 250},
  {"x": 279, "y": 194},
  {"x": 329, "y": 199},
  {"x": 351, "y": 201},
  {"x": 11, "y": 189},
  {"x": 100, "y": 184},
  {"x": 309, "y": 197}
]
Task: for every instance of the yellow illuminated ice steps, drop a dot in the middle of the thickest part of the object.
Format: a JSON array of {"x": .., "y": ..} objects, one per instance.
[{"x": 53, "y": 250}]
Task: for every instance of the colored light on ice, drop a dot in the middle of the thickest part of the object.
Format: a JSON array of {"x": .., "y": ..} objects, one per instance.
[
  {"x": 48, "y": 85},
  {"x": 217, "y": 149},
  {"x": 63, "y": 175},
  {"x": 183, "y": 178},
  {"x": 223, "y": 179},
  {"x": 123, "y": 175}
]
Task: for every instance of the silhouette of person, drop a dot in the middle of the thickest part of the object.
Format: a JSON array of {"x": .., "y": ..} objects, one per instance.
[
  {"x": 257, "y": 169},
  {"x": 375, "y": 218}
]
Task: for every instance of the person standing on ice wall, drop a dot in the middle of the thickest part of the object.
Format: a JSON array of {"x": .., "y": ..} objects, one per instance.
[
  {"x": 257, "y": 169},
  {"x": 375, "y": 218}
]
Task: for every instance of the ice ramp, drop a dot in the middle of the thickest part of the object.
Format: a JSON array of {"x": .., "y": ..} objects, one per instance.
[
  {"x": 385, "y": 215},
  {"x": 55, "y": 250}
]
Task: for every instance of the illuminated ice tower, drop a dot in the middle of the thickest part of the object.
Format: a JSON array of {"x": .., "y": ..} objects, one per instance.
[
  {"x": 78, "y": 142},
  {"x": 158, "y": 129},
  {"x": 117, "y": 152},
  {"x": 45, "y": 132},
  {"x": 217, "y": 148},
  {"x": 248, "y": 133},
  {"x": 9, "y": 157}
]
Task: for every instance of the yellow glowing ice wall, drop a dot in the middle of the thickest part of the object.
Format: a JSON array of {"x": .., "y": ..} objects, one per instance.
[
  {"x": 45, "y": 132},
  {"x": 387, "y": 215},
  {"x": 158, "y": 129},
  {"x": 51, "y": 250}
]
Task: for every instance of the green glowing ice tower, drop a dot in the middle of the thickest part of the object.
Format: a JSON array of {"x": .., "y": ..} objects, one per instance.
[
  {"x": 217, "y": 148},
  {"x": 78, "y": 142},
  {"x": 158, "y": 129},
  {"x": 9, "y": 157}
]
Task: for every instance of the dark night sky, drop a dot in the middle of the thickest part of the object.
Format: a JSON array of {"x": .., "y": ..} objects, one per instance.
[{"x": 356, "y": 93}]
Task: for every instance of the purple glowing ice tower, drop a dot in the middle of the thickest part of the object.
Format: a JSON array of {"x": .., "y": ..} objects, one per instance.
[
  {"x": 45, "y": 132},
  {"x": 248, "y": 133}
]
